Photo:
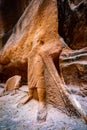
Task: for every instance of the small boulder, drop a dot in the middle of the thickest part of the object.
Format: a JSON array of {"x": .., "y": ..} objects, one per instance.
[{"x": 13, "y": 83}]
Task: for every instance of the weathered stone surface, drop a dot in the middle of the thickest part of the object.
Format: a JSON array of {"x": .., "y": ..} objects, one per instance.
[
  {"x": 76, "y": 2},
  {"x": 10, "y": 12},
  {"x": 38, "y": 27},
  {"x": 13, "y": 83},
  {"x": 73, "y": 24},
  {"x": 75, "y": 17},
  {"x": 73, "y": 65},
  {"x": 29, "y": 30}
]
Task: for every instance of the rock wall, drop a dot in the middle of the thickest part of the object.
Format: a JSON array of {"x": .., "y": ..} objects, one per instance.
[
  {"x": 37, "y": 24},
  {"x": 73, "y": 24},
  {"x": 72, "y": 27},
  {"x": 10, "y": 11}
]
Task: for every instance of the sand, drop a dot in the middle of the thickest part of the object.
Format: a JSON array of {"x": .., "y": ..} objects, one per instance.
[{"x": 25, "y": 117}]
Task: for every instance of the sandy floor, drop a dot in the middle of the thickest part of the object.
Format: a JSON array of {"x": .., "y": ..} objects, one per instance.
[{"x": 24, "y": 118}]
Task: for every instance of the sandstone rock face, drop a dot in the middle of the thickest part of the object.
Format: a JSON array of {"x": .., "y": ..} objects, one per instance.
[
  {"x": 30, "y": 30},
  {"x": 13, "y": 83},
  {"x": 76, "y": 2},
  {"x": 38, "y": 27},
  {"x": 37, "y": 24},
  {"x": 73, "y": 65},
  {"x": 73, "y": 24},
  {"x": 10, "y": 11},
  {"x": 73, "y": 28}
]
